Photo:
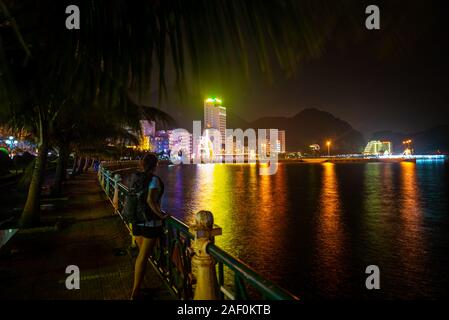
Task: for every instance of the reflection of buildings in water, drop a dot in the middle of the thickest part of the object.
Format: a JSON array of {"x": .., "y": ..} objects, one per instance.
[
  {"x": 213, "y": 192},
  {"x": 374, "y": 179},
  {"x": 390, "y": 197},
  {"x": 243, "y": 202},
  {"x": 379, "y": 206},
  {"x": 270, "y": 210},
  {"x": 330, "y": 251},
  {"x": 410, "y": 236},
  {"x": 179, "y": 196},
  {"x": 330, "y": 203}
]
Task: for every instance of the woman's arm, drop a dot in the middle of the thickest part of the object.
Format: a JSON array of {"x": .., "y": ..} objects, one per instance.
[{"x": 154, "y": 205}]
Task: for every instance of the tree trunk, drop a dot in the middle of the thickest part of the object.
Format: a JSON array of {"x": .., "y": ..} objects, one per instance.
[
  {"x": 92, "y": 164},
  {"x": 74, "y": 167},
  {"x": 87, "y": 165},
  {"x": 61, "y": 170},
  {"x": 31, "y": 211},
  {"x": 80, "y": 168}
]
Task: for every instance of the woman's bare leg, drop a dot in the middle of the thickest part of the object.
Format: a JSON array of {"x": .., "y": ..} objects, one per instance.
[{"x": 146, "y": 245}]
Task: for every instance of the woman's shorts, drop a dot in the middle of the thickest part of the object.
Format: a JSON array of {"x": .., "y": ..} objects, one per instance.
[{"x": 148, "y": 232}]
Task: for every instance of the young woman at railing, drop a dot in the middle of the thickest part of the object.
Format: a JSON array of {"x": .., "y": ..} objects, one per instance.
[{"x": 148, "y": 232}]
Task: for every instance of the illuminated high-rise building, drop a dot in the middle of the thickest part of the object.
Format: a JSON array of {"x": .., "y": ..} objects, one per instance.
[{"x": 215, "y": 116}]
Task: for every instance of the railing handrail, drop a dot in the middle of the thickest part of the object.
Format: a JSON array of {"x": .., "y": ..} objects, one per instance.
[
  {"x": 172, "y": 220},
  {"x": 267, "y": 288},
  {"x": 271, "y": 290}
]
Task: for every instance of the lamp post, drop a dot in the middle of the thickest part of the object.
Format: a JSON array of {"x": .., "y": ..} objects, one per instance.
[
  {"x": 328, "y": 143},
  {"x": 407, "y": 144}
]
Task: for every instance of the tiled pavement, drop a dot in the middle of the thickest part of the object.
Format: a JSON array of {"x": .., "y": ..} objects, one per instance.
[{"x": 90, "y": 236}]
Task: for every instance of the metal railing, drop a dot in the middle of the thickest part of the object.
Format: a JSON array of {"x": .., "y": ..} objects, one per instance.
[{"x": 172, "y": 256}]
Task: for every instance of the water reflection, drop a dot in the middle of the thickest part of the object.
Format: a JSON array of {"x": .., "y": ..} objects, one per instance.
[
  {"x": 314, "y": 228},
  {"x": 269, "y": 214},
  {"x": 213, "y": 192},
  {"x": 379, "y": 189},
  {"x": 410, "y": 237},
  {"x": 330, "y": 239}
]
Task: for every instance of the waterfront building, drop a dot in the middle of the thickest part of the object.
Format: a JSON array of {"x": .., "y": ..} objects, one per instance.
[
  {"x": 161, "y": 144},
  {"x": 181, "y": 141},
  {"x": 148, "y": 128},
  {"x": 281, "y": 141},
  {"x": 148, "y": 131},
  {"x": 376, "y": 147},
  {"x": 205, "y": 148},
  {"x": 215, "y": 116}
]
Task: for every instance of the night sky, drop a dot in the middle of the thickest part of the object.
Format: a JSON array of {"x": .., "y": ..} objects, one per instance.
[{"x": 394, "y": 79}]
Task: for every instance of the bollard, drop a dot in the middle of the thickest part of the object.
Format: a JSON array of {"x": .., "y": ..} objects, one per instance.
[
  {"x": 203, "y": 265},
  {"x": 102, "y": 178},
  {"x": 115, "y": 199}
]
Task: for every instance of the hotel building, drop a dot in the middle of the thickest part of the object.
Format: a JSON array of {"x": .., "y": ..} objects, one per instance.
[
  {"x": 215, "y": 116},
  {"x": 378, "y": 148}
]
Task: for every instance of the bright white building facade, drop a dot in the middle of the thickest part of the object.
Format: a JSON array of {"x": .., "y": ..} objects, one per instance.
[
  {"x": 376, "y": 147},
  {"x": 215, "y": 116},
  {"x": 180, "y": 142}
]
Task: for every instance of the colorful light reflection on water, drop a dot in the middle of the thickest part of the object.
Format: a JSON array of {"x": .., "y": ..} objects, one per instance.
[{"x": 313, "y": 228}]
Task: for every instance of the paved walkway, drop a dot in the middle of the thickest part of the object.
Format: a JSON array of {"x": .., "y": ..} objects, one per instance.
[{"x": 88, "y": 235}]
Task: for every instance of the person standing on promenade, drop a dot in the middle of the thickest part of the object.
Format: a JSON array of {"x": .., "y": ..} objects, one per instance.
[{"x": 148, "y": 232}]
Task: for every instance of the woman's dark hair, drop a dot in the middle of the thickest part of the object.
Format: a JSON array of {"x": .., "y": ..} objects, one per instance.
[{"x": 149, "y": 162}]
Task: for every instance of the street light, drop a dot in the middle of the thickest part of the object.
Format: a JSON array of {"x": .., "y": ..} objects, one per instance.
[
  {"x": 328, "y": 143},
  {"x": 407, "y": 144},
  {"x": 407, "y": 141}
]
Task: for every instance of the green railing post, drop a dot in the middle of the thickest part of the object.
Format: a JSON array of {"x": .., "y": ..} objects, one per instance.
[
  {"x": 103, "y": 178},
  {"x": 99, "y": 172},
  {"x": 221, "y": 278},
  {"x": 115, "y": 200},
  {"x": 107, "y": 182},
  {"x": 203, "y": 265}
]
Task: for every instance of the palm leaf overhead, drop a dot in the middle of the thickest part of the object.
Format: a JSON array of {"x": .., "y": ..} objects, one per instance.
[
  {"x": 121, "y": 43},
  {"x": 125, "y": 44}
]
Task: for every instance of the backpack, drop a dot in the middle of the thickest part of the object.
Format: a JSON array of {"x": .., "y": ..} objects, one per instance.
[{"x": 136, "y": 209}]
